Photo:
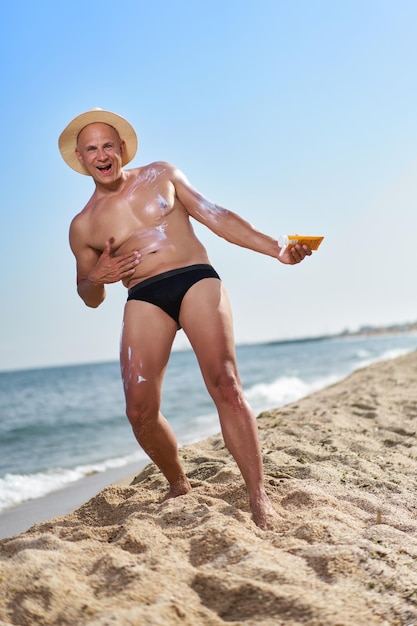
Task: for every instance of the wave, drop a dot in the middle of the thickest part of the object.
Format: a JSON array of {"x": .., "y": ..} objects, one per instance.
[
  {"x": 18, "y": 488},
  {"x": 284, "y": 390},
  {"x": 367, "y": 359},
  {"x": 287, "y": 389}
]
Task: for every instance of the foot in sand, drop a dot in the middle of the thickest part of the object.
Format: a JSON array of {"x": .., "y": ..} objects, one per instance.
[
  {"x": 179, "y": 488},
  {"x": 263, "y": 513}
]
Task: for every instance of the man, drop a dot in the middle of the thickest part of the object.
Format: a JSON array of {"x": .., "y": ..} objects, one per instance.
[{"x": 136, "y": 229}]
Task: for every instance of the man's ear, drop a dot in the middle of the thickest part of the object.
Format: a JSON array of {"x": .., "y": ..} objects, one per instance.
[
  {"x": 79, "y": 156},
  {"x": 122, "y": 147}
]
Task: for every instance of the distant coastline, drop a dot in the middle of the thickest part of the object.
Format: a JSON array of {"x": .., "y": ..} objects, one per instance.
[{"x": 363, "y": 331}]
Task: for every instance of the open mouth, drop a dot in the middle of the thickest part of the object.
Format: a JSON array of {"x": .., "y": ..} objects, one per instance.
[{"x": 105, "y": 168}]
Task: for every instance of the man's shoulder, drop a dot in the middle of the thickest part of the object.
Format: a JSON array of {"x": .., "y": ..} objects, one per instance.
[
  {"x": 161, "y": 165},
  {"x": 80, "y": 217},
  {"x": 154, "y": 168},
  {"x": 76, "y": 222}
]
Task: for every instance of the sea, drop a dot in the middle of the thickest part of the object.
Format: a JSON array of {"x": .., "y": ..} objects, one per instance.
[{"x": 60, "y": 425}]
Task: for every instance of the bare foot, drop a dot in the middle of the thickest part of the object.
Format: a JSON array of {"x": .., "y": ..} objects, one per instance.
[
  {"x": 179, "y": 488},
  {"x": 263, "y": 512}
]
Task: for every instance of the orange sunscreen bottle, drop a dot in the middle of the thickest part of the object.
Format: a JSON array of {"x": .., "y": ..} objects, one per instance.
[{"x": 287, "y": 241}]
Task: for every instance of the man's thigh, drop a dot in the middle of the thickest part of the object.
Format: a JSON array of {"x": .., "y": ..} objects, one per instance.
[
  {"x": 146, "y": 342},
  {"x": 206, "y": 318}
]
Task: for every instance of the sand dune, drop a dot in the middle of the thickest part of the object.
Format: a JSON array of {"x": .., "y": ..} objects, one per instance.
[{"x": 341, "y": 468}]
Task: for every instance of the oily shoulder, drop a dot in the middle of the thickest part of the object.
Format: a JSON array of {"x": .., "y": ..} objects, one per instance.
[{"x": 158, "y": 169}]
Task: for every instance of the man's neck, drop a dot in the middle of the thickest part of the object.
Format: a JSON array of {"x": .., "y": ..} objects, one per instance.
[{"x": 103, "y": 189}]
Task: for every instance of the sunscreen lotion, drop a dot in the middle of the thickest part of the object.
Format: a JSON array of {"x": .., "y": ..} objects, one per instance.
[{"x": 287, "y": 241}]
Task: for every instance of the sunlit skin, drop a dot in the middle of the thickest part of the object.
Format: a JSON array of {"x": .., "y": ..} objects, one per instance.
[
  {"x": 100, "y": 150},
  {"x": 136, "y": 225}
]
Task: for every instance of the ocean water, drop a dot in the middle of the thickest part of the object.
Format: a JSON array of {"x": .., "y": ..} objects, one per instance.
[{"x": 59, "y": 425}]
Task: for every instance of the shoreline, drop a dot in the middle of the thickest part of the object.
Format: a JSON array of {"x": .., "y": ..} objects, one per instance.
[
  {"x": 340, "y": 468},
  {"x": 19, "y": 518}
]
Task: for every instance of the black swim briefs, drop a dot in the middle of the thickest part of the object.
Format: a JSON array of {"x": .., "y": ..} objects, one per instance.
[{"x": 168, "y": 289}]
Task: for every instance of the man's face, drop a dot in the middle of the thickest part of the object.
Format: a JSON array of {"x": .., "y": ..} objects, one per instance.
[{"x": 100, "y": 150}]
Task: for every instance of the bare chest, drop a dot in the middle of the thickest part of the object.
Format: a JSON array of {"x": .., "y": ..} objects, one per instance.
[{"x": 137, "y": 212}]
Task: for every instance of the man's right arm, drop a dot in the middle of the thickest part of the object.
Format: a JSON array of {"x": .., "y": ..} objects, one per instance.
[
  {"x": 95, "y": 269},
  {"x": 91, "y": 291}
]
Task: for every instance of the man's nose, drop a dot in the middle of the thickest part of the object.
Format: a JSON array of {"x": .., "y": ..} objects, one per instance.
[{"x": 101, "y": 154}]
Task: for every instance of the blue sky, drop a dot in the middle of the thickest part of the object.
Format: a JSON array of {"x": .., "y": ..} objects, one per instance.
[{"x": 301, "y": 116}]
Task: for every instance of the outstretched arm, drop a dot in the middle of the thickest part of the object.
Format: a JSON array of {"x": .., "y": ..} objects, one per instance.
[{"x": 231, "y": 226}]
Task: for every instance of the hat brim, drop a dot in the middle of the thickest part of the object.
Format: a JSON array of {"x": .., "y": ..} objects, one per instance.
[{"x": 67, "y": 141}]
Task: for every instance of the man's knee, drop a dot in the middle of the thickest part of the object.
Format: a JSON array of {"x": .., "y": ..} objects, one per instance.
[
  {"x": 141, "y": 414},
  {"x": 227, "y": 388}
]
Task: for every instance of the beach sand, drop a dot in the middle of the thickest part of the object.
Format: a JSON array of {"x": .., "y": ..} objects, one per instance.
[{"x": 341, "y": 470}]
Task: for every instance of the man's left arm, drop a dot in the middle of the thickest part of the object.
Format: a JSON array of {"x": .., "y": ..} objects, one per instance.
[{"x": 231, "y": 226}]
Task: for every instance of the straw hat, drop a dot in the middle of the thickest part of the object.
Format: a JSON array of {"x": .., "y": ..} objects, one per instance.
[{"x": 68, "y": 139}]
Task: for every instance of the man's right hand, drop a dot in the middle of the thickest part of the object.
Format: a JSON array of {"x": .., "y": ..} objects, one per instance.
[{"x": 110, "y": 269}]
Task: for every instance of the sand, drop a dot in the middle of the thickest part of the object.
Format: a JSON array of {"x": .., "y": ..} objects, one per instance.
[{"x": 341, "y": 470}]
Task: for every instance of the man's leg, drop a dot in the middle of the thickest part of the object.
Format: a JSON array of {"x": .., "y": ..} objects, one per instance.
[
  {"x": 146, "y": 344},
  {"x": 207, "y": 320}
]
